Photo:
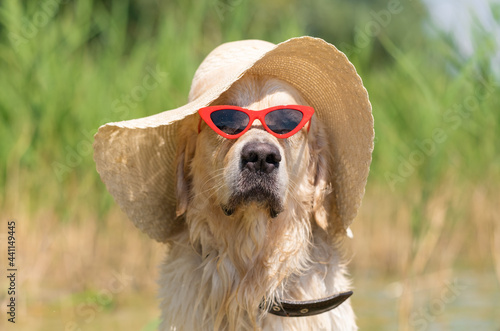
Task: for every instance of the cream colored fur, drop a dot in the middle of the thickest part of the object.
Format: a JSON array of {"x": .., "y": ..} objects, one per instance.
[{"x": 221, "y": 268}]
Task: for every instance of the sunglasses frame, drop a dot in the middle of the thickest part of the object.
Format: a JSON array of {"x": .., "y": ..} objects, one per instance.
[{"x": 205, "y": 113}]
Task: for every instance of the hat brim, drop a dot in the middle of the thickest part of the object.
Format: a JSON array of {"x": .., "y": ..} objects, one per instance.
[{"x": 135, "y": 158}]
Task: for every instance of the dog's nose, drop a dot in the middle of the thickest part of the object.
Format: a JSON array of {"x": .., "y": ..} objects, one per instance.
[{"x": 260, "y": 157}]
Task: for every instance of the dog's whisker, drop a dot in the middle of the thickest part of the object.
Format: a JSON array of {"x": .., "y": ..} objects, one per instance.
[
  {"x": 211, "y": 177},
  {"x": 212, "y": 190},
  {"x": 292, "y": 190}
]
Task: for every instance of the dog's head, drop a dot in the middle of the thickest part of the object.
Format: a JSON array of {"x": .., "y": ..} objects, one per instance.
[{"x": 256, "y": 173}]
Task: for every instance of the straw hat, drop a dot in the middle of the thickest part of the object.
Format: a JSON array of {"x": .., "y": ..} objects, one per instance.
[{"x": 135, "y": 158}]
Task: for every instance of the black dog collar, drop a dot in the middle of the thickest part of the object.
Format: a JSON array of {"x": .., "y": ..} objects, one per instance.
[{"x": 286, "y": 308}]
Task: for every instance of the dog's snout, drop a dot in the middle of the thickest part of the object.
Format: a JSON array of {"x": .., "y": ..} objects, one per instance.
[{"x": 260, "y": 157}]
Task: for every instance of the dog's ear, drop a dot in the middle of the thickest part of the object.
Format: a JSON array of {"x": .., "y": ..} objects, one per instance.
[
  {"x": 186, "y": 147},
  {"x": 325, "y": 211}
]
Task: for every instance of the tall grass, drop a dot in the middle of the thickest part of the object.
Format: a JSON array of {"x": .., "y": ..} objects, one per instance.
[
  {"x": 75, "y": 70},
  {"x": 67, "y": 68}
]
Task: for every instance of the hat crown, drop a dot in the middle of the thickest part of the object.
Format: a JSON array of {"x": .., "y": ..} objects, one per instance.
[{"x": 224, "y": 61}]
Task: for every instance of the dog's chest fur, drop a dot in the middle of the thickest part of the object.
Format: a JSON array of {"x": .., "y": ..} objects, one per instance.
[{"x": 209, "y": 284}]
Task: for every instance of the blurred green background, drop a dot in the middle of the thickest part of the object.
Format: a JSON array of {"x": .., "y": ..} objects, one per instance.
[{"x": 67, "y": 67}]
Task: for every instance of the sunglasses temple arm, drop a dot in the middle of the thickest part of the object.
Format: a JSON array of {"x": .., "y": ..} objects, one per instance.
[{"x": 308, "y": 126}]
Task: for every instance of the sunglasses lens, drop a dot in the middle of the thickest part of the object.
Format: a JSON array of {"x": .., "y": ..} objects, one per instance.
[
  {"x": 230, "y": 121},
  {"x": 282, "y": 121}
]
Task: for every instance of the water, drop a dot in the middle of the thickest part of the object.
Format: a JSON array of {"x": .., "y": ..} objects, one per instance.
[{"x": 465, "y": 301}]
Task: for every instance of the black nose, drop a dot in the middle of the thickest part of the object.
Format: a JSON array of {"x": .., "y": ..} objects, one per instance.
[{"x": 260, "y": 157}]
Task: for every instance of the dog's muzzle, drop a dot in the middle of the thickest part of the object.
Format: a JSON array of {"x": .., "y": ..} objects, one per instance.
[{"x": 258, "y": 179}]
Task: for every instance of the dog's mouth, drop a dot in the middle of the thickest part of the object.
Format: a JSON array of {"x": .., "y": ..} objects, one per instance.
[{"x": 258, "y": 188}]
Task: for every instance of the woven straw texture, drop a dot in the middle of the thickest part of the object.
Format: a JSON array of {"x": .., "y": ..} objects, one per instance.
[{"x": 135, "y": 158}]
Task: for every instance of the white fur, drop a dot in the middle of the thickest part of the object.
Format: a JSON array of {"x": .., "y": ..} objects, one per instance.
[{"x": 220, "y": 269}]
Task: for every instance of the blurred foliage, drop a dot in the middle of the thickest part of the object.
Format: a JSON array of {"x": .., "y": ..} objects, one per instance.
[{"x": 69, "y": 66}]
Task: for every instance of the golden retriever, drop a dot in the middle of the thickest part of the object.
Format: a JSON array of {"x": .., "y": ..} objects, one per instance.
[{"x": 252, "y": 237}]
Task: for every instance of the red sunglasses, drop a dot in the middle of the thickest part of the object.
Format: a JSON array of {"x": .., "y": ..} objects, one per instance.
[{"x": 232, "y": 122}]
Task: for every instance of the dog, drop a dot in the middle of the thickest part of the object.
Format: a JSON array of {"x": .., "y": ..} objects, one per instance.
[
  {"x": 256, "y": 219},
  {"x": 252, "y": 185}
]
